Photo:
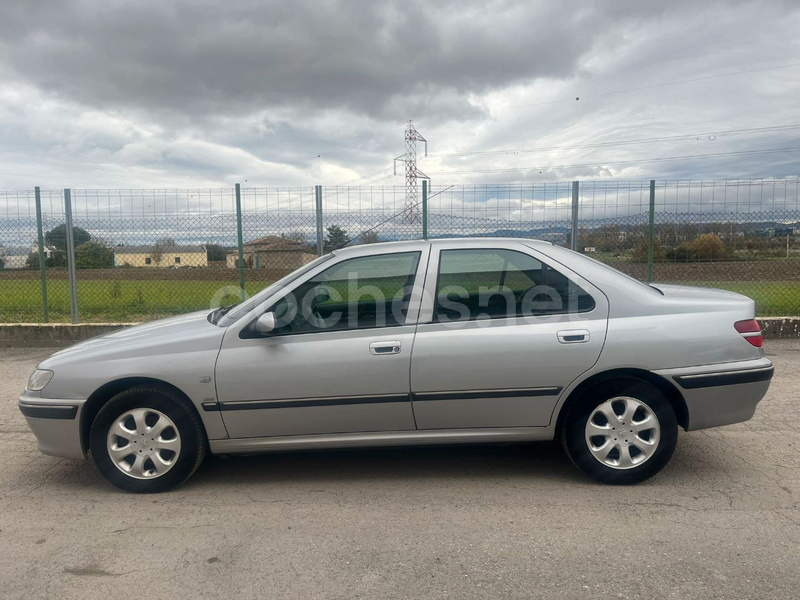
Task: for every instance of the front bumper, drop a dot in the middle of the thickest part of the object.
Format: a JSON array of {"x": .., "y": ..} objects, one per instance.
[
  {"x": 55, "y": 423},
  {"x": 722, "y": 394}
]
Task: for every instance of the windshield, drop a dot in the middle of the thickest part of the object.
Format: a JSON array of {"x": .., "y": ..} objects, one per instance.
[
  {"x": 245, "y": 307},
  {"x": 618, "y": 272}
]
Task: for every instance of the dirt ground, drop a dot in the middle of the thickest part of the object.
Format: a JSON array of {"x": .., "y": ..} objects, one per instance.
[{"x": 757, "y": 270}]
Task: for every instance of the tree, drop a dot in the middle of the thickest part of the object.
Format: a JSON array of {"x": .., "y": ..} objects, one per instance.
[
  {"x": 335, "y": 239},
  {"x": 93, "y": 255},
  {"x": 369, "y": 237},
  {"x": 215, "y": 252},
  {"x": 57, "y": 237},
  {"x": 157, "y": 253},
  {"x": 32, "y": 262},
  {"x": 158, "y": 248}
]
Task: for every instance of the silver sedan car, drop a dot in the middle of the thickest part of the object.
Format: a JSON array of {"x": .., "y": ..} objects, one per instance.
[{"x": 408, "y": 343}]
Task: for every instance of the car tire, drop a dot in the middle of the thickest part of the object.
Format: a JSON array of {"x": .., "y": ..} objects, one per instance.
[
  {"x": 620, "y": 432},
  {"x": 147, "y": 439}
]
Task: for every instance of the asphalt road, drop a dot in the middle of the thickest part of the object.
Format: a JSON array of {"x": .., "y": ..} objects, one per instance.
[{"x": 518, "y": 521}]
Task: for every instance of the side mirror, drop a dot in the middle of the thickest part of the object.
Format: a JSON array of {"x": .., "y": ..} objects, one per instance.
[{"x": 266, "y": 323}]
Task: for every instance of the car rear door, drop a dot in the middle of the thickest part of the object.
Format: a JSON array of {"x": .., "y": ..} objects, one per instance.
[
  {"x": 343, "y": 369},
  {"x": 502, "y": 332}
]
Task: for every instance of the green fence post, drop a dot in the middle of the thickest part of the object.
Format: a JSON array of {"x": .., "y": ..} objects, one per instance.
[
  {"x": 73, "y": 277},
  {"x": 40, "y": 235},
  {"x": 651, "y": 231},
  {"x": 239, "y": 239},
  {"x": 424, "y": 209}
]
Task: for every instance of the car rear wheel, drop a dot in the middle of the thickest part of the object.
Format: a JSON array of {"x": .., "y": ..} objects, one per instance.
[
  {"x": 147, "y": 439},
  {"x": 620, "y": 432}
]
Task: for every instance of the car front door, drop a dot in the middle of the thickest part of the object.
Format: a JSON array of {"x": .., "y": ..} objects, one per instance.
[
  {"x": 338, "y": 360},
  {"x": 501, "y": 334}
]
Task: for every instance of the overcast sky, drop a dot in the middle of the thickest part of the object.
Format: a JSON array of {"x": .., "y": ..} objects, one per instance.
[{"x": 141, "y": 94}]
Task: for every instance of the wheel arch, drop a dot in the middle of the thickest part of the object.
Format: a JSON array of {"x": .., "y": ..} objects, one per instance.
[
  {"x": 108, "y": 390},
  {"x": 663, "y": 385}
]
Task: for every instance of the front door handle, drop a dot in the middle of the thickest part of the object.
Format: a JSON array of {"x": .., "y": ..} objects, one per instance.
[
  {"x": 384, "y": 348},
  {"x": 573, "y": 336}
]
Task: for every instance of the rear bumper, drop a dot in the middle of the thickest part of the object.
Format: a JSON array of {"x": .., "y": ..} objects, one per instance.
[
  {"x": 723, "y": 394},
  {"x": 55, "y": 423}
]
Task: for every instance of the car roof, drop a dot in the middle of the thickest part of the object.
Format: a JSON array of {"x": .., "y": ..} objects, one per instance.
[{"x": 465, "y": 242}]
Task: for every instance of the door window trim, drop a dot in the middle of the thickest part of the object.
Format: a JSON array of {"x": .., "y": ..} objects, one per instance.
[
  {"x": 247, "y": 330},
  {"x": 427, "y": 313}
]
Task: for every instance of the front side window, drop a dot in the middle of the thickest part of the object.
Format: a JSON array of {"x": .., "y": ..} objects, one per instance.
[
  {"x": 497, "y": 283},
  {"x": 364, "y": 292}
]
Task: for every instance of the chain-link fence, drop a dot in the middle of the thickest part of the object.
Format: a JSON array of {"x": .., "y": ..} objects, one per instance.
[
  {"x": 739, "y": 235},
  {"x": 143, "y": 254}
]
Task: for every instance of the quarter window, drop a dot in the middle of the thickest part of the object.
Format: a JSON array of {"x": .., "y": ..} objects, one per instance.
[
  {"x": 370, "y": 291},
  {"x": 489, "y": 283}
]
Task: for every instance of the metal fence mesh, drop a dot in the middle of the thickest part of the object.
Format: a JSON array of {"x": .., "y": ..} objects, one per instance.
[
  {"x": 367, "y": 215},
  {"x": 151, "y": 253},
  {"x": 540, "y": 211},
  {"x": 143, "y": 254},
  {"x": 739, "y": 235}
]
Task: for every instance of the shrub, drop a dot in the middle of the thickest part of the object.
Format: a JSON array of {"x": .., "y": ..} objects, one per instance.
[
  {"x": 708, "y": 247},
  {"x": 92, "y": 255}
]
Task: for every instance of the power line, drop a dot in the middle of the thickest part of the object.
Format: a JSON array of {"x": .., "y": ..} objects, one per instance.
[
  {"x": 366, "y": 177},
  {"x": 611, "y": 93},
  {"x": 658, "y": 85},
  {"x": 773, "y": 128},
  {"x": 621, "y": 162},
  {"x": 336, "y": 148}
]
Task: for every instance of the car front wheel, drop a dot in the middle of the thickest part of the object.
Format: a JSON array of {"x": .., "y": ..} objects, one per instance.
[
  {"x": 620, "y": 432},
  {"x": 147, "y": 439}
]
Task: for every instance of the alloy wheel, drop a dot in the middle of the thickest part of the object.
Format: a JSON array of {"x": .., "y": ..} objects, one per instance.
[
  {"x": 622, "y": 432},
  {"x": 143, "y": 443}
]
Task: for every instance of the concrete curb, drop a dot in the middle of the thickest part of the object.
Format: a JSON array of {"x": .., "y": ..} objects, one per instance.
[
  {"x": 777, "y": 328},
  {"x": 59, "y": 334},
  {"x": 53, "y": 334}
]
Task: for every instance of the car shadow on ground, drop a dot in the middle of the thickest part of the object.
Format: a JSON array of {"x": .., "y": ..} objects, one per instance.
[
  {"x": 529, "y": 462},
  {"x": 544, "y": 460}
]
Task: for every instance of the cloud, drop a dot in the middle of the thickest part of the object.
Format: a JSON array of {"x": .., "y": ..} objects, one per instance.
[
  {"x": 200, "y": 59},
  {"x": 168, "y": 93}
]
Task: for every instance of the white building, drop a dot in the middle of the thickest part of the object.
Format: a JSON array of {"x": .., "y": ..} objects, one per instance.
[{"x": 17, "y": 257}]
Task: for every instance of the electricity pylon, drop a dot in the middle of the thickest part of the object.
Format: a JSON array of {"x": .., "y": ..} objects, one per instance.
[{"x": 411, "y": 210}]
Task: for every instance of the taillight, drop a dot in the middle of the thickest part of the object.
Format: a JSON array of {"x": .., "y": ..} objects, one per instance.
[{"x": 751, "y": 331}]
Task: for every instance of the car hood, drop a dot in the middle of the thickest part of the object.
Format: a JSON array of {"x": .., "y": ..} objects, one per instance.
[{"x": 139, "y": 339}]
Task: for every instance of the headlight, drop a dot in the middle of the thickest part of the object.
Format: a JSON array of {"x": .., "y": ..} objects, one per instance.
[{"x": 38, "y": 379}]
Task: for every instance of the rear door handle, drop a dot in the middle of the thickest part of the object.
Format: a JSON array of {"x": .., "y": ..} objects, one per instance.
[
  {"x": 573, "y": 336},
  {"x": 384, "y": 348}
]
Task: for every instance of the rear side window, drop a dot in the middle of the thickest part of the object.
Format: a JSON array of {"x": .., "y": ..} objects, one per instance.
[{"x": 497, "y": 283}]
